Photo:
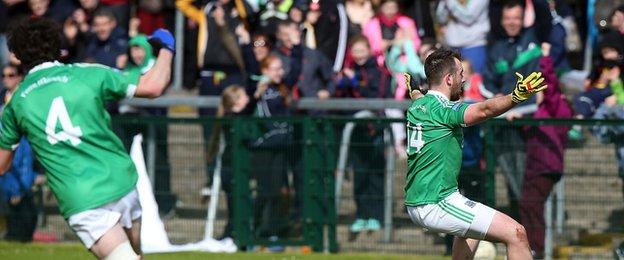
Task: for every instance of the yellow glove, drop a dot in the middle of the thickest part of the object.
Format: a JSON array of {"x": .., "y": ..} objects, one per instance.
[
  {"x": 409, "y": 81},
  {"x": 525, "y": 88}
]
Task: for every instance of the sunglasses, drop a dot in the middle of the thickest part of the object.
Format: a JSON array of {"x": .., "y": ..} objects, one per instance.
[
  {"x": 259, "y": 43},
  {"x": 11, "y": 75}
]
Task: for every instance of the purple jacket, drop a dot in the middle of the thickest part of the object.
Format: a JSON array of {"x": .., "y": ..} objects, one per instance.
[{"x": 546, "y": 144}]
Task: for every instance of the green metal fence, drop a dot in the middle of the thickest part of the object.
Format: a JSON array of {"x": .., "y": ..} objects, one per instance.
[{"x": 298, "y": 205}]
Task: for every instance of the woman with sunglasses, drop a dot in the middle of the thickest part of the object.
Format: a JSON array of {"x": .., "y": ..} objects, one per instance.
[
  {"x": 11, "y": 77},
  {"x": 16, "y": 184}
]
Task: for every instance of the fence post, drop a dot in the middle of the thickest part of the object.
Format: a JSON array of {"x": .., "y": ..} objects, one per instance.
[
  {"x": 312, "y": 187},
  {"x": 490, "y": 157},
  {"x": 242, "y": 203},
  {"x": 388, "y": 196},
  {"x": 179, "y": 59},
  {"x": 151, "y": 153},
  {"x": 329, "y": 150},
  {"x": 548, "y": 236}
]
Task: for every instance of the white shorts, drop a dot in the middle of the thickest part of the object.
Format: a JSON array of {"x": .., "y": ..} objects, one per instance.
[
  {"x": 92, "y": 224},
  {"x": 454, "y": 215}
]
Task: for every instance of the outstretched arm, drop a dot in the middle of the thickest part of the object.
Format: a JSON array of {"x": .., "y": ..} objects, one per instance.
[{"x": 525, "y": 88}]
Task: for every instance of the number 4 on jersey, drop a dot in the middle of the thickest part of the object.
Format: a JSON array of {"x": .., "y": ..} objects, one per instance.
[
  {"x": 415, "y": 139},
  {"x": 58, "y": 112}
]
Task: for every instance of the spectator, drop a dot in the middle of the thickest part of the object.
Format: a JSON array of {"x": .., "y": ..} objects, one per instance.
[
  {"x": 121, "y": 10},
  {"x": 605, "y": 77},
  {"x": 329, "y": 24},
  {"x": 616, "y": 25},
  {"x": 420, "y": 12},
  {"x": 88, "y": 8},
  {"x": 234, "y": 102},
  {"x": 364, "y": 79},
  {"x": 271, "y": 148},
  {"x": 108, "y": 43},
  {"x": 74, "y": 39},
  {"x": 150, "y": 15},
  {"x": 254, "y": 51},
  {"x": 400, "y": 59},
  {"x": 17, "y": 183},
  {"x": 403, "y": 58},
  {"x": 612, "y": 108},
  {"x": 427, "y": 46},
  {"x": 12, "y": 75},
  {"x": 517, "y": 51},
  {"x": 474, "y": 86},
  {"x": 271, "y": 14},
  {"x": 218, "y": 55},
  {"x": 316, "y": 76},
  {"x": 545, "y": 150},
  {"x": 381, "y": 30},
  {"x": 9, "y": 10},
  {"x": 42, "y": 8},
  {"x": 296, "y": 13},
  {"x": 359, "y": 13},
  {"x": 466, "y": 27}
]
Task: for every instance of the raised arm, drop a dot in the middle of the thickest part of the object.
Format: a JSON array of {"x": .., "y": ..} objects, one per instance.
[
  {"x": 153, "y": 83},
  {"x": 190, "y": 11},
  {"x": 525, "y": 88}
]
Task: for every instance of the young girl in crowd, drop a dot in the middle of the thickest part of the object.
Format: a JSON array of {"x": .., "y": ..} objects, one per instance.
[
  {"x": 400, "y": 59},
  {"x": 381, "y": 30},
  {"x": 234, "y": 102},
  {"x": 271, "y": 150},
  {"x": 365, "y": 79}
]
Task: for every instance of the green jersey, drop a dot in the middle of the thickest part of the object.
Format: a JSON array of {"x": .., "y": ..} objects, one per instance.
[
  {"x": 434, "y": 148},
  {"x": 61, "y": 111}
]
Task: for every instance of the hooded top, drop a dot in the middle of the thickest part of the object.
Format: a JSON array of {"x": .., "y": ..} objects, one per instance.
[{"x": 134, "y": 71}]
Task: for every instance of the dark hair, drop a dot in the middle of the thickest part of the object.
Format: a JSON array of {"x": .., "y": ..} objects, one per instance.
[
  {"x": 286, "y": 23},
  {"x": 512, "y": 3},
  {"x": 106, "y": 13},
  {"x": 359, "y": 38},
  {"x": 35, "y": 41},
  {"x": 440, "y": 63},
  {"x": 264, "y": 37},
  {"x": 619, "y": 9}
]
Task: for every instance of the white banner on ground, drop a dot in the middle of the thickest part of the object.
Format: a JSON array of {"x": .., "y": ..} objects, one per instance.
[{"x": 154, "y": 238}]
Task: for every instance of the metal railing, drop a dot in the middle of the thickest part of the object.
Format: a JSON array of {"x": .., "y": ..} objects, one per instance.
[{"x": 325, "y": 226}]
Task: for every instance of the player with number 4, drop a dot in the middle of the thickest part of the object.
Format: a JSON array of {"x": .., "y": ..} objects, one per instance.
[
  {"x": 60, "y": 108},
  {"x": 434, "y": 130}
]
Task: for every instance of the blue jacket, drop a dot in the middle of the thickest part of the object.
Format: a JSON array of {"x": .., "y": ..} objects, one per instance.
[
  {"x": 106, "y": 52},
  {"x": 20, "y": 178},
  {"x": 509, "y": 55}
]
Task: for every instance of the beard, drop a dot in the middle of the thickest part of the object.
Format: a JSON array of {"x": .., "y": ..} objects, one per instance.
[{"x": 456, "y": 91}]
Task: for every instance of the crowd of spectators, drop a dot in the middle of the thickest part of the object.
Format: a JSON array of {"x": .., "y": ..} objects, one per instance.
[{"x": 276, "y": 51}]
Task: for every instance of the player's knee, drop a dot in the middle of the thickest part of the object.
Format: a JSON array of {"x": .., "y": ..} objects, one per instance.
[
  {"x": 122, "y": 252},
  {"x": 518, "y": 235}
]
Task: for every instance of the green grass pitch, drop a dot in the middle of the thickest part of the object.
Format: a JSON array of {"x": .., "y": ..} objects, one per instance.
[{"x": 69, "y": 251}]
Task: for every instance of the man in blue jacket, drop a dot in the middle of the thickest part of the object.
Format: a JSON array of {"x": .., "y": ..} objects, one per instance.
[{"x": 16, "y": 186}]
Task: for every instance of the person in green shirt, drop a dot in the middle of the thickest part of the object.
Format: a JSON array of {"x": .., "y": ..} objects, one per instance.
[
  {"x": 434, "y": 150},
  {"x": 60, "y": 109}
]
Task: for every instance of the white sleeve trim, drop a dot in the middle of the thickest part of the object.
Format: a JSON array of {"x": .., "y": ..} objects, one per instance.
[{"x": 131, "y": 90}]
